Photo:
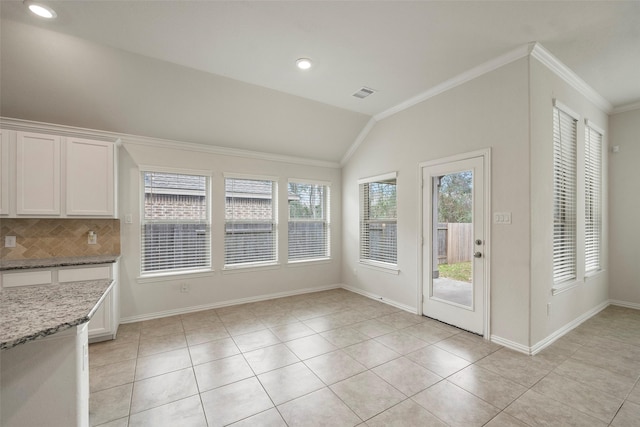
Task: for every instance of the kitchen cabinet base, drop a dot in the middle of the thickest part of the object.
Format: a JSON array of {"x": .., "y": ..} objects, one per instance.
[{"x": 46, "y": 382}]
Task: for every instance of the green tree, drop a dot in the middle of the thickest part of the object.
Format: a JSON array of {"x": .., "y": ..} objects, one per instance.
[
  {"x": 382, "y": 200},
  {"x": 305, "y": 201},
  {"x": 455, "y": 197}
]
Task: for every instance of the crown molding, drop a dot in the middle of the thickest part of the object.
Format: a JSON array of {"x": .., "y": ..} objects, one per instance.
[
  {"x": 509, "y": 57},
  {"x": 224, "y": 151},
  {"x": 626, "y": 107},
  {"x": 533, "y": 49},
  {"x": 484, "y": 68},
  {"x": 126, "y": 139},
  {"x": 361, "y": 136},
  {"x": 62, "y": 130},
  {"x": 570, "y": 77}
]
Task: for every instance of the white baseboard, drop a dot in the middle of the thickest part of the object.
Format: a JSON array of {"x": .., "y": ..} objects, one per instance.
[
  {"x": 193, "y": 309},
  {"x": 542, "y": 344},
  {"x": 510, "y": 344},
  {"x": 393, "y": 303},
  {"x": 624, "y": 304}
]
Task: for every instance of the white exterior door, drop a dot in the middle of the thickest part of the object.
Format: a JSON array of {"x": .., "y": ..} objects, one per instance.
[{"x": 454, "y": 261}]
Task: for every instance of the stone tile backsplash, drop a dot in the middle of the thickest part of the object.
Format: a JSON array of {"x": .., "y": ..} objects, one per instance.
[{"x": 52, "y": 238}]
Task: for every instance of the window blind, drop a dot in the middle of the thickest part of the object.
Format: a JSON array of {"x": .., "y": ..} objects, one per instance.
[
  {"x": 308, "y": 221},
  {"x": 564, "y": 196},
  {"x": 593, "y": 204},
  {"x": 250, "y": 221},
  {"x": 175, "y": 223},
  {"x": 378, "y": 221}
]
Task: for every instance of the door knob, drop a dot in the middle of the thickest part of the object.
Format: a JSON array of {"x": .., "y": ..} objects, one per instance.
[{"x": 477, "y": 255}]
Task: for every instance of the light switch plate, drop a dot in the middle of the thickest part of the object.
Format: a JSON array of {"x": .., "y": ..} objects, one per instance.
[
  {"x": 502, "y": 218},
  {"x": 9, "y": 241}
]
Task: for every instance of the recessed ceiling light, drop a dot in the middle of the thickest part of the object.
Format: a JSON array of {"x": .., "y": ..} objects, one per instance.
[
  {"x": 41, "y": 10},
  {"x": 303, "y": 63}
]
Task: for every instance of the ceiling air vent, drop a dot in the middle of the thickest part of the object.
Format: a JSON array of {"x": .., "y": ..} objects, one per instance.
[{"x": 363, "y": 92}]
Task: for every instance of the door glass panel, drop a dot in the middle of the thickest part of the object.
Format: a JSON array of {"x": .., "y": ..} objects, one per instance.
[{"x": 453, "y": 247}]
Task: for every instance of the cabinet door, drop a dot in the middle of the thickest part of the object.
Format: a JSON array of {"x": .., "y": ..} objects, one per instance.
[
  {"x": 89, "y": 178},
  {"x": 25, "y": 278},
  {"x": 38, "y": 174},
  {"x": 100, "y": 325},
  {"x": 4, "y": 172}
]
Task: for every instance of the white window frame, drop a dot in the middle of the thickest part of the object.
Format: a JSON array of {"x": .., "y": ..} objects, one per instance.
[
  {"x": 169, "y": 274},
  {"x": 565, "y": 197},
  {"x": 326, "y": 202},
  {"x": 593, "y": 221},
  {"x": 363, "y": 219},
  {"x": 274, "y": 221}
]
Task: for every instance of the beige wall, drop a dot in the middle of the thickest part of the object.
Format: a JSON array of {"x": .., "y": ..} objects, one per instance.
[
  {"x": 149, "y": 298},
  {"x": 489, "y": 111},
  {"x": 590, "y": 293},
  {"x": 624, "y": 196}
]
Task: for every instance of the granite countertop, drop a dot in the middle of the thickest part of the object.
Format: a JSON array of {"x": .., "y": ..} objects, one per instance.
[
  {"x": 22, "y": 264},
  {"x": 31, "y": 312}
]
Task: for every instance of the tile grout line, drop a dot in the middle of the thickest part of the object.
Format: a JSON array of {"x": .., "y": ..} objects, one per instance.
[{"x": 554, "y": 365}]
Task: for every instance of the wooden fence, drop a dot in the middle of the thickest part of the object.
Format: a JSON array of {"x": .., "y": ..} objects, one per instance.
[{"x": 455, "y": 243}]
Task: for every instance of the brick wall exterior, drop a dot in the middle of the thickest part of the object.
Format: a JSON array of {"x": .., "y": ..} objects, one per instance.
[
  {"x": 253, "y": 209},
  {"x": 167, "y": 206}
]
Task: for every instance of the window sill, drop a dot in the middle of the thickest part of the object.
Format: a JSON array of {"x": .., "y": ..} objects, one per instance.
[
  {"x": 307, "y": 262},
  {"x": 242, "y": 268},
  {"x": 385, "y": 268},
  {"x": 564, "y": 287},
  {"x": 164, "y": 277}
]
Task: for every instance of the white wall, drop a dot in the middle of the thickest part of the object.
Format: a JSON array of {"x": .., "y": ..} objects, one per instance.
[
  {"x": 624, "y": 196},
  {"x": 149, "y": 299},
  {"x": 591, "y": 293},
  {"x": 489, "y": 111}
]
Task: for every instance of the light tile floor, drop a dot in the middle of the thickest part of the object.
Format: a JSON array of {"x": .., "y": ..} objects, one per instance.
[{"x": 336, "y": 358}]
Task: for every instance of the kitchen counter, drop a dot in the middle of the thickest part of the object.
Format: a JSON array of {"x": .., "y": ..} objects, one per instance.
[
  {"x": 31, "y": 312},
  {"x": 20, "y": 264}
]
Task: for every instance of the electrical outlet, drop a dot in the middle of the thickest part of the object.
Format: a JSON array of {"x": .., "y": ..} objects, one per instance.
[
  {"x": 93, "y": 238},
  {"x": 9, "y": 241}
]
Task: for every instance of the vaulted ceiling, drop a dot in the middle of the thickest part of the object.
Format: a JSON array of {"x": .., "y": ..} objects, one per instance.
[{"x": 223, "y": 73}]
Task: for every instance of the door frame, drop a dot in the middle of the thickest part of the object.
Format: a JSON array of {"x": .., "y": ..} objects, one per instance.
[{"x": 425, "y": 247}]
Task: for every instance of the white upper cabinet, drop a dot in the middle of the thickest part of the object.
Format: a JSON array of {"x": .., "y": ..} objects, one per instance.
[
  {"x": 89, "y": 178},
  {"x": 44, "y": 175},
  {"x": 37, "y": 174},
  {"x": 4, "y": 172}
]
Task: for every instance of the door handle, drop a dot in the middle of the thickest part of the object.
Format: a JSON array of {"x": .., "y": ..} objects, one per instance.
[{"x": 477, "y": 255}]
